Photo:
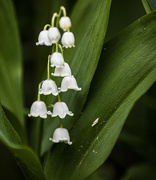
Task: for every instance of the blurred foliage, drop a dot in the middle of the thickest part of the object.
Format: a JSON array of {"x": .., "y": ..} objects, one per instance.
[{"x": 135, "y": 149}]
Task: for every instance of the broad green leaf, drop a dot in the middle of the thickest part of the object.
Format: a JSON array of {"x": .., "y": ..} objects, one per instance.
[
  {"x": 90, "y": 19},
  {"x": 10, "y": 61},
  {"x": 126, "y": 70},
  {"x": 26, "y": 158}
]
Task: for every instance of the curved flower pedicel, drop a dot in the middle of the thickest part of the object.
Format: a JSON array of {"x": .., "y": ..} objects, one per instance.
[
  {"x": 62, "y": 71},
  {"x": 49, "y": 87},
  {"x": 60, "y": 109},
  {"x": 68, "y": 40},
  {"x": 69, "y": 82},
  {"x": 61, "y": 135},
  {"x": 38, "y": 108}
]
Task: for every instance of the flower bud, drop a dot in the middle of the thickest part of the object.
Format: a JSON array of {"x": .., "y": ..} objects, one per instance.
[
  {"x": 65, "y": 23},
  {"x": 68, "y": 40},
  {"x": 53, "y": 35},
  {"x": 43, "y": 39},
  {"x": 57, "y": 60}
]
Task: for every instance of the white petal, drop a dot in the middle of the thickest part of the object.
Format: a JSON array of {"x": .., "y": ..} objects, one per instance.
[
  {"x": 68, "y": 40},
  {"x": 61, "y": 135},
  {"x": 57, "y": 60},
  {"x": 49, "y": 87},
  {"x": 60, "y": 109},
  {"x": 43, "y": 38},
  {"x": 62, "y": 71},
  {"x": 69, "y": 82},
  {"x": 53, "y": 34},
  {"x": 65, "y": 23},
  {"x": 38, "y": 108}
]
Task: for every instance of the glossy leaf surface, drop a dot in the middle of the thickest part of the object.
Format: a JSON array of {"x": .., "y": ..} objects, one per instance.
[
  {"x": 25, "y": 157},
  {"x": 126, "y": 70},
  {"x": 10, "y": 61}
]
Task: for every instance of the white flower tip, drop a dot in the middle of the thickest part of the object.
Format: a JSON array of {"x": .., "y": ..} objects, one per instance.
[
  {"x": 29, "y": 115},
  {"x": 49, "y": 112},
  {"x": 70, "y": 143},
  {"x": 70, "y": 113},
  {"x": 37, "y": 43},
  {"x": 79, "y": 89}
]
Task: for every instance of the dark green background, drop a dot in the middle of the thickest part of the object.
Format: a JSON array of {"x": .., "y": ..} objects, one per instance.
[{"x": 136, "y": 144}]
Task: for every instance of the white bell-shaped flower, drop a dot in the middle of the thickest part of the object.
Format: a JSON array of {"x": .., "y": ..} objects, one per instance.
[
  {"x": 60, "y": 109},
  {"x": 69, "y": 82},
  {"x": 53, "y": 34},
  {"x": 49, "y": 87},
  {"x": 43, "y": 39},
  {"x": 57, "y": 60},
  {"x": 65, "y": 23},
  {"x": 68, "y": 40},
  {"x": 39, "y": 108},
  {"x": 61, "y": 135},
  {"x": 62, "y": 71}
]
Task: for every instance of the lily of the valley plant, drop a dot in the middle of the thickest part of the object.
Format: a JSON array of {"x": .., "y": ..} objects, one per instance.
[
  {"x": 67, "y": 132},
  {"x": 51, "y": 36}
]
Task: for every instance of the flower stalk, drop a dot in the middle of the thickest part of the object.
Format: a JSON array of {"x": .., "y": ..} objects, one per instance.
[{"x": 50, "y": 36}]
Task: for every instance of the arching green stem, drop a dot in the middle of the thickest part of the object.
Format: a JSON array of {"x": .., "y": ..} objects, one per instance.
[
  {"x": 59, "y": 15},
  {"x": 64, "y": 11},
  {"x": 48, "y": 68},
  {"x": 60, "y": 48},
  {"x": 46, "y": 26},
  {"x": 38, "y": 95},
  {"x": 53, "y": 19}
]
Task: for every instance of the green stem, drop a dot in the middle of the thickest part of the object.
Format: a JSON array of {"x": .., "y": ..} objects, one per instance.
[
  {"x": 146, "y": 6},
  {"x": 56, "y": 47},
  {"x": 61, "y": 124},
  {"x": 60, "y": 48},
  {"x": 64, "y": 11},
  {"x": 53, "y": 19},
  {"x": 38, "y": 133},
  {"x": 59, "y": 98},
  {"x": 58, "y": 18},
  {"x": 38, "y": 95},
  {"x": 48, "y": 68},
  {"x": 59, "y": 15},
  {"x": 45, "y": 27},
  {"x": 53, "y": 49}
]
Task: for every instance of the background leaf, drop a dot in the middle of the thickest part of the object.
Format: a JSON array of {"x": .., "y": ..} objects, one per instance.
[
  {"x": 90, "y": 20},
  {"x": 126, "y": 70},
  {"x": 10, "y": 61},
  {"x": 25, "y": 157},
  {"x": 141, "y": 171},
  {"x": 152, "y": 4}
]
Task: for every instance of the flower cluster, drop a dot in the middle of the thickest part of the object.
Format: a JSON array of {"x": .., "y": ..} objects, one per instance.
[{"x": 50, "y": 36}]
